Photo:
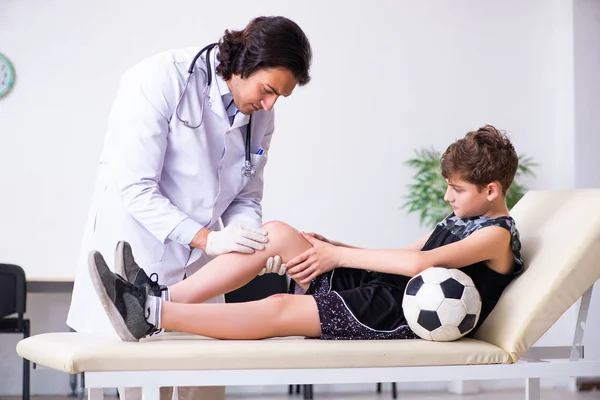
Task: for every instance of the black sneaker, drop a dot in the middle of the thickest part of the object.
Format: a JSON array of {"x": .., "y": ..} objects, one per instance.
[
  {"x": 124, "y": 303},
  {"x": 126, "y": 266}
]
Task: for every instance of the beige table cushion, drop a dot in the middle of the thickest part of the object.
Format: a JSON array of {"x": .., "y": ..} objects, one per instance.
[
  {"x": 560, "y": 235},
  {"x": 78, "y": 352}
]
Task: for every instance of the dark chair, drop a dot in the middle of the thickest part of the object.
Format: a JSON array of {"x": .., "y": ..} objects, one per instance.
[
  {"x": 307, "y": 391},
  {"x": 13, "y": 295},
  {"x": 258, "y": 288},
  {"x": 394, "y": 390}
]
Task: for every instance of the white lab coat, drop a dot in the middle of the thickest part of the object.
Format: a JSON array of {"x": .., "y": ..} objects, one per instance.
[{"x": 155, "y": 172}]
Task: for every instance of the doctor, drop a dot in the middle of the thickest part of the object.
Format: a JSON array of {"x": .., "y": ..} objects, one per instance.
[{"x": 188, "y": 139}]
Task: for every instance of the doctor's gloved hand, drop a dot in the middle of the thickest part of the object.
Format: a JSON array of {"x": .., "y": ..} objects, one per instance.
[
  {"x": 274, "y": 265},
  {"x": 235, "y": 237}
]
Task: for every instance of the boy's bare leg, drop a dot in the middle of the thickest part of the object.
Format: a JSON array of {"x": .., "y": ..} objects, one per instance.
[
  {"x": 136, "y": 312},
  {"x": 278, "y": 315},
  {"x": 231, "y": 271}
]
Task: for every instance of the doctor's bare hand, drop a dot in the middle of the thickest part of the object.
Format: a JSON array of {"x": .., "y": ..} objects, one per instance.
[
  {"x": 321, "y": 258},
  {"x": 236, "y": 237}
]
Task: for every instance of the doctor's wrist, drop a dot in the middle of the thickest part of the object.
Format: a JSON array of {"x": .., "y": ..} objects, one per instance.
[{"x": 200, "y": 239}]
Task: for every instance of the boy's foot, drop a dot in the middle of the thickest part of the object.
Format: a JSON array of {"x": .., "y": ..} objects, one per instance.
[
  {"x": 126, "y": 266},
  {"x": 124, "y": 303}
]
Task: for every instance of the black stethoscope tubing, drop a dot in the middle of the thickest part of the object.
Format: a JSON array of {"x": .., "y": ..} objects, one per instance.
[{"x": 248, "y": 169}]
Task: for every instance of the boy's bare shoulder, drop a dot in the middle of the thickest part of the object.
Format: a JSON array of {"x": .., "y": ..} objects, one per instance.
[{"x": 484, "y": 244}]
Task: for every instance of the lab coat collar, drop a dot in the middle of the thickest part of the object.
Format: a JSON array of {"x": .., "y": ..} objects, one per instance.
[
  {"x": 221, "y": 84},
  {"x": 218, "y": 88}
]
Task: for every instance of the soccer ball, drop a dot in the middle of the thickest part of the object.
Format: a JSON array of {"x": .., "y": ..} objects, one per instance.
[{"x": 441, "y": 304}]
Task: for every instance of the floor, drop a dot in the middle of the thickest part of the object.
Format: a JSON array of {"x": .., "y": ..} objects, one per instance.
[{"x": 497, "y": 395}]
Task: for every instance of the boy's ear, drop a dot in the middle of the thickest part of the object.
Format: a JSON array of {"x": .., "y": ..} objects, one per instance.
[{"x": 493, "y": 190}]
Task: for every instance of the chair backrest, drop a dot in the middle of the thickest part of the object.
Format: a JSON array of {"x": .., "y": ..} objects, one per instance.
[
  {"x": 13, "y": 290},
  {"x": 560, "y": 237}
]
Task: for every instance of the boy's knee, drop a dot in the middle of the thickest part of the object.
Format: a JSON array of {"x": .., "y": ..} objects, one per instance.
[
  {"x": 280, "y": 231},
  {"x": 284, "y": 240},
  {"x": 277, "y": 295},
  {"x": 279, "y": 301},
  {"x": 278, "y": 227}
]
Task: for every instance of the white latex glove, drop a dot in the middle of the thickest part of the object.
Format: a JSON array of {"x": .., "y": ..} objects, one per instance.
[
  {"x": 235, "y": 237},
  {"x": 274, "y": 266}
]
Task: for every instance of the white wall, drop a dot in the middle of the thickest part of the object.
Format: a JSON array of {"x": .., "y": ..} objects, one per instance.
[
  {"x": 386, "y": 79},
  {"x": 587, "y": 127}
]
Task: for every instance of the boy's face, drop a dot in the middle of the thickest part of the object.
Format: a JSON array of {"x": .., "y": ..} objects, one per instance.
[{"x": 466, "y": 199}]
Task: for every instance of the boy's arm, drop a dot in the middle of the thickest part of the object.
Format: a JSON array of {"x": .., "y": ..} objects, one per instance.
[
  {"x": 479, "y": 246},
  {"x": 340, "y": 244},
  {"x": 333, "y": 242},
  {"x": 418, "y": 245}
]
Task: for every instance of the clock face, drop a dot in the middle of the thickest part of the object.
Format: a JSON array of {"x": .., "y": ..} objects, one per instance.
[{"x": 7, "y": 75}]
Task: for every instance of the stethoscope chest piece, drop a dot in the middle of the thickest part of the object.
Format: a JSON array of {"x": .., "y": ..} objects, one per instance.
[{"x": 249, "y": 170}]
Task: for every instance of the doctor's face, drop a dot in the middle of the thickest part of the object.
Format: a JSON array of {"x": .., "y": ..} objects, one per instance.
[{"x": 261, "y": 89}]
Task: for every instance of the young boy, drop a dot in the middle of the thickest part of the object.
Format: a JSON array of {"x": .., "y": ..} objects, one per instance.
[{"x": 351, "y": 293}]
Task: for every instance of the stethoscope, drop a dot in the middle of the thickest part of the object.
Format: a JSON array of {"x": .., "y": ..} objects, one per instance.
[{"x": 248, "y": 170}]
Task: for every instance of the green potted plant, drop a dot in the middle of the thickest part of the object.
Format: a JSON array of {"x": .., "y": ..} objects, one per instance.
[{"x": 426, "y": 191}]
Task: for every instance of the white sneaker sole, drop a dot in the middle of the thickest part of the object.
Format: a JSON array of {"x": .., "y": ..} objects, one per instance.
[
  {"x": 111, "y": 310},
  {"x": 119, "y": 264}
]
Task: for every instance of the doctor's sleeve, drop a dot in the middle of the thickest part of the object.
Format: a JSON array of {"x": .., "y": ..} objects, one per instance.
[
  {"x": 138, "y": 128},
  {"x": 246, "y": 207}
]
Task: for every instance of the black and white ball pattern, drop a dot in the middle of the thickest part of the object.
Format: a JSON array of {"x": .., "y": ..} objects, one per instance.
[{"x": 441, "y": 304}]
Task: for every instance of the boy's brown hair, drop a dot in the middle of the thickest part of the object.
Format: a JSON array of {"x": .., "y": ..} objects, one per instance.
[{"x": 481, "y": 157}]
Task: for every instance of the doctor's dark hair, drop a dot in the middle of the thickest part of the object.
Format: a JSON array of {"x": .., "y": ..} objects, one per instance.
[
  {"x": 481, "y": 157},
  {"x": 266, "y": 42}
]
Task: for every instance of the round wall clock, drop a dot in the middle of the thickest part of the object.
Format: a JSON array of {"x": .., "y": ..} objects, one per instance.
[{"x": 7, "y": 75}]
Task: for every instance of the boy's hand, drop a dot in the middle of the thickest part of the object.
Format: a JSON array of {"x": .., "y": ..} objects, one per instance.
[
  {"x": 317, "y": 236},
  {"x": 319, "y": 259}
]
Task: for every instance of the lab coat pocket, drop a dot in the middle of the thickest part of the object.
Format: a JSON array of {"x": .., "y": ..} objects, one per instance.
[
  {"x": 259, "y": 161},
  {"x": 245, "y": 182}
]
